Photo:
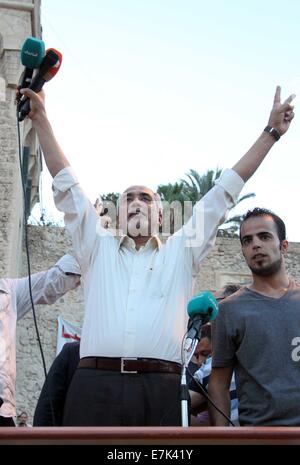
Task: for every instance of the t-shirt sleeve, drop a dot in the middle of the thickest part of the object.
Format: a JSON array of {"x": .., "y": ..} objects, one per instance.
[{"x": 223, "y": 347}]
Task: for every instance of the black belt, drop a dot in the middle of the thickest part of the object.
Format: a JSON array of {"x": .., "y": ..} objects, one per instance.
[{"x": 130, "y": 365}]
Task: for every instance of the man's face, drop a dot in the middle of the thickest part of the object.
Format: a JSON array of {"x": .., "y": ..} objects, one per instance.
[
  {"x": 202, "y": 351},
  {"x": 22, "y": 419},
  {"x": 261, "y": 246},
  {"x": 138, "y": 212}
]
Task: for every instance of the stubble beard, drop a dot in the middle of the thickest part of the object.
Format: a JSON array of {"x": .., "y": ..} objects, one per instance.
[{"x": 268, "y": 270}]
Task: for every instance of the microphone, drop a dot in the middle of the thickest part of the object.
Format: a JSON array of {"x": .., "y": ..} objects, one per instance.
[
  {"x": 48, "y": 69},
  {"x": 32, "y": 54},
  {"x": 201, "y": 309}
]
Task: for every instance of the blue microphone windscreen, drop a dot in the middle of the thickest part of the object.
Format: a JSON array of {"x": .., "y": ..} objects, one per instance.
[
  {"x": 203, "y": 304},
  {"x": 32, "y": 53}
]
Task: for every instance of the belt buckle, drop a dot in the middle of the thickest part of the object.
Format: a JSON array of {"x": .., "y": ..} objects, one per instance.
[{"x": 123, "y": 360}]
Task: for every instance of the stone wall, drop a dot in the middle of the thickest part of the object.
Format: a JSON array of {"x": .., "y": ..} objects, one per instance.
[
  {"x": 10, "y": 189},
  {"x": 224, "y": 264},
  {"x": 18, "y": 20},
  {"x": 46, "y": 246}
]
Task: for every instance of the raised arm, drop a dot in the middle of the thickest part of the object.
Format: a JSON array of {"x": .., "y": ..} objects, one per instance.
[
  {"x": 47, "y": 286},
  {"x": 81, "y": 219},
  {"x": 280, "y": 119},
  {"x": 54, "y": 156}
]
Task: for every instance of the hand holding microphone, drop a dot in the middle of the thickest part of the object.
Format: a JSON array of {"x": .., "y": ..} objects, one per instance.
[
  {"x": 32, "y": 54},
  {"x": 48, "y": 69}
]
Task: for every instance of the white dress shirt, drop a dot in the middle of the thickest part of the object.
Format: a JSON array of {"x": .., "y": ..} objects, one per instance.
[
  {"x": 47, "y": 287},
  {"x": 135, "y": 300}
]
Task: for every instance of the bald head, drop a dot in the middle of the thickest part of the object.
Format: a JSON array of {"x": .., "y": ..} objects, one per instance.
[{"x": 138, "y": 187}]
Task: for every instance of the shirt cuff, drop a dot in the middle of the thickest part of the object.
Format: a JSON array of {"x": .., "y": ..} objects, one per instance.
[
  {"x": 68, "y": 264},
  {"x": 232, "y": 183},
  {"x": 65, "y": 179}
]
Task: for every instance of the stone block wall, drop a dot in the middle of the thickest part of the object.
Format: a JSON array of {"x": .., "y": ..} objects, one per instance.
[
  {"x": 46, "y": 246},
  {"x": 18, "y": 20}
]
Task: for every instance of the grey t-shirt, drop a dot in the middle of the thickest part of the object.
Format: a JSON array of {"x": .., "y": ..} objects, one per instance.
[{"x": 260, "y": 337}]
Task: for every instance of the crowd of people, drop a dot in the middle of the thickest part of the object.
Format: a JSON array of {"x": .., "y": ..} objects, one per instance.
[{"x": 126, "y": 370}]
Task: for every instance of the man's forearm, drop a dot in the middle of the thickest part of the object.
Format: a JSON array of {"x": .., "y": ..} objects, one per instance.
[
  {"x": 249, "y": 163},
  {"x": 222, "y": 400},
  {"x": 279, "y": 121},
  {"x": 53, "y": 154},
  {"x": 54, "y": 157}
]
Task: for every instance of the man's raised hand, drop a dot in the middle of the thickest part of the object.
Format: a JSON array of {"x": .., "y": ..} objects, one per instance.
[{"x": 282, "y": 113}]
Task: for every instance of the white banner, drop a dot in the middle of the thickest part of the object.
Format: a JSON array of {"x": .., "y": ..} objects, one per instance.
[{"x": 67, "y": 332}]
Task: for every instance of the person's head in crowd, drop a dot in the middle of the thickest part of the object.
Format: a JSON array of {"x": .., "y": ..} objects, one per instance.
[
  {"x": 203, "y": 349},
  {"x": 22, "y": 419},
  {"x": 263, "y": 240},
  {"x": 103, "y": 213},
  {"x": 226, "y": 291}
]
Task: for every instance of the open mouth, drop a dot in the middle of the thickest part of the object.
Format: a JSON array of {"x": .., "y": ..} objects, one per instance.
[
  {"x": 133, "y": 214},
  {"x": 136, "y": 214}
]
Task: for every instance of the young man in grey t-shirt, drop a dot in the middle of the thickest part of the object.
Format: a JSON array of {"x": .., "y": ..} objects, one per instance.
[{"x": 256, "y": 333}]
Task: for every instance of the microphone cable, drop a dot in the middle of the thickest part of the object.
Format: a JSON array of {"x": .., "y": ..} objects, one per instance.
[
  {"x": 25, "y": 224},
  {"x": 208, "y": 398},
  {"x": 203, "y": 389},
  {"x": 175, "y": 405}
]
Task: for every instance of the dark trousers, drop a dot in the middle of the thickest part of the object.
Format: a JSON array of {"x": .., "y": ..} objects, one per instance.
[
  {"x": 6, "y": 421},
  {"x": 107, "y": 398}
]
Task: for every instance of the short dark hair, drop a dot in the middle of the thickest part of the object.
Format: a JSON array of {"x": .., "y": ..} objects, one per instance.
[
  {"x": 206, "y": 331},
  {"x": 231, "y": 289},
  {"x": 280, "y": 226}
]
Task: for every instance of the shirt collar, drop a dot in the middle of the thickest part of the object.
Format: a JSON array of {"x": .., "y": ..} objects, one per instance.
[{"x": 126, "y": 241}]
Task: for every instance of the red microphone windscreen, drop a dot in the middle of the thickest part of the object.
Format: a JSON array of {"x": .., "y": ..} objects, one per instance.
[{"x": 51, "y": 72}]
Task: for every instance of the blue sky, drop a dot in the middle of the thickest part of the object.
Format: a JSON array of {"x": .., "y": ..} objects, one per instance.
[{"x": 149, "y": 89}]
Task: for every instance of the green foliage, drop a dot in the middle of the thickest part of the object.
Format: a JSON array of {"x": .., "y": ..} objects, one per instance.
[
  {"x": 194, "y": 188},
  {"x": 111, "y": 197},
  {"x": 197, "y": 185}
]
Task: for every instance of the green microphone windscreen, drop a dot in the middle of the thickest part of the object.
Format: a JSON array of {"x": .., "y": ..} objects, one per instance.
[
  {"x": 203, "y": 304},
  {"x": 32, "y": 53}
]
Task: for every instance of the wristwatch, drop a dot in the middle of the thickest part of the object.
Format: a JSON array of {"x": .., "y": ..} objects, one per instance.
[{"x": 273, "y": 132}]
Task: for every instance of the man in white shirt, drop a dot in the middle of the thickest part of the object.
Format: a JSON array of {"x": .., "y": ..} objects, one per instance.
[
  {"x": 47, "y": 287},
  {"x": 135, "y": 288}
]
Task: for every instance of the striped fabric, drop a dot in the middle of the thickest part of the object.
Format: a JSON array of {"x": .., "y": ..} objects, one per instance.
[{"x": 202, "y": 375}]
